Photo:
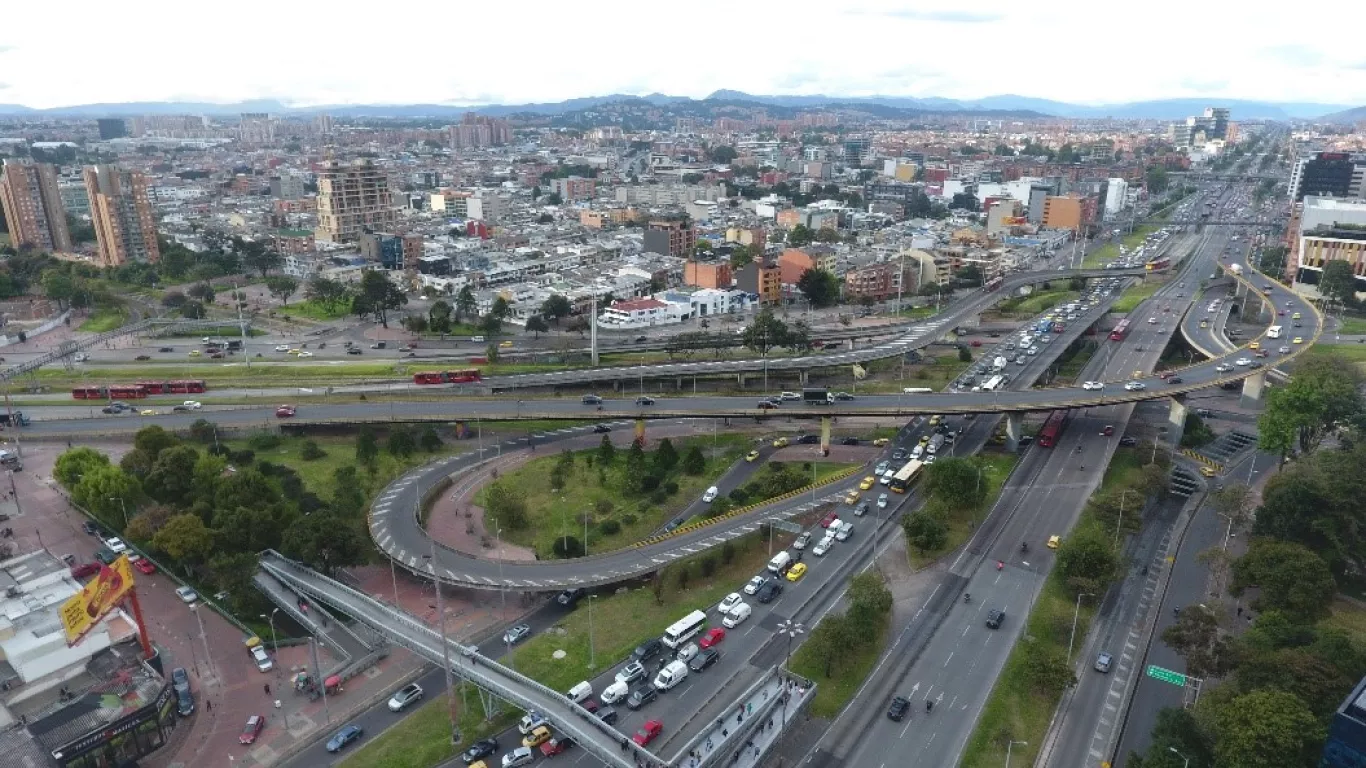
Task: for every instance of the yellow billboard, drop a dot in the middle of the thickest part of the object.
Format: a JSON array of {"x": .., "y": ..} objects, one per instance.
[{"x": 85, "y": 608}]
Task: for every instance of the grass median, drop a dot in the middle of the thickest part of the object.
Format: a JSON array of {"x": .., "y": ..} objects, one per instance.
[
  {"x": 1110, "y": 251},
  {"x": 105, "y": 319},
  {"x": 1038, "y": 301},
  {"x": 423, "y": 738},
  {"x": 996, "y": 467},
  {"x": 1133, "y": 296}
]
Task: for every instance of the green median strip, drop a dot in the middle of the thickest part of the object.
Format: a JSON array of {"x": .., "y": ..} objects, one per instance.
[{"x": 423, "y": 738}]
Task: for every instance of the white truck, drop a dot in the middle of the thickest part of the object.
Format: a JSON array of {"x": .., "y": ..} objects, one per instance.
[
  {"x": 999, "y": 363},
  {"x": 1236, "y": 269}
]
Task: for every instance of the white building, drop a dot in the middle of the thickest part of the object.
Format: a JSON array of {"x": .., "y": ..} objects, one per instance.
[
  {"x": 487, "y": 207},
  {"x": 644, "y": 313},
  {"x": 1116, "y": 196}
]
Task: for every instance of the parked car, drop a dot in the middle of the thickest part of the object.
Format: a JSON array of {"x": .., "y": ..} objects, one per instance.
[
  {"x": 255, "y": 724},
  {"x": 556, "y": 745},
  {"x": 187, "y": 595},
  {"x": 84, "y": 570}
]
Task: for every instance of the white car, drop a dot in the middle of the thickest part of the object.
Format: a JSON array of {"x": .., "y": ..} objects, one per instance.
[
  {"x": 1152, "y": 321},
  {"x": 729, "y": 602},
  {"x": 1283, "y": 350},
  {"x": 801, "y": 541},
  {"x": 305, "y": 353},
  {"x": 1092, "y": 386},
  {"x": 262, "y": 659},
  {"x": 823, "y": 546},
  {"x": 116, "y": 545},
  {"x": 882, "y": 501},
  {"x": 281, "y": 347},
  {"x": 754, "y": 584},
  {"x": 187, "y": 595},
  {"x": 1223, "y": 368},
  {"x": 193, "y": 405},
  {"x": 1243, "y": 362},
  {"x": 1135, "y": 386}
]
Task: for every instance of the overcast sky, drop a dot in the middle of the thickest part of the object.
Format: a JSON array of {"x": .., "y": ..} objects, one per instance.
[{"x": 461, "y": 52}]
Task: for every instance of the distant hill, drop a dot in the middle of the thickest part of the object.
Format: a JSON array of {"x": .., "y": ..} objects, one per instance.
[{"x": 1345, "y": 117}]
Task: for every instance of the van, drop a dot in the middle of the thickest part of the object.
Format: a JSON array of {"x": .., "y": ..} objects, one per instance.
[
  {"x": 779, "y": 562},
  {"x": 477, "y": 339},
  {"x": 579, "y": 693},
  {"x": 917, "y": 451},
  {"x": 615, "y": 692},
  {"x": 737, "y": 616},
  {"x": 711, "y": 494},
  {"x": 671, "y": 675},
  {"x": 845, "y": 531}
]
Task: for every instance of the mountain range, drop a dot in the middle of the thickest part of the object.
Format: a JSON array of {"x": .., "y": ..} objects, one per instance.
[{"x": 1162, "y": 109}]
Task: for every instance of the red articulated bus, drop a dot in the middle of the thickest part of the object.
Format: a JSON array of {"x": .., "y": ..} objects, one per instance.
[
  {"x": 1158, "y": 264},
  {"x": 994, "y": 283},
  {"x": 1121, "y": 330},
  {"x": 187, "y": 386},
  {"x": 155, "y": 387},
  {"x": 1052, "y": 428},
  {"x": 127, "y": 392},
  {"x": 88, "y": 393},
  {"x": 447, "y": 377}
]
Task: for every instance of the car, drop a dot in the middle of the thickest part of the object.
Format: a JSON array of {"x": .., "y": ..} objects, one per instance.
[
  {"x": 1054, "y": 541},
  {"x": 1204, "y": 323},
  {"x": 752, "y": 455},
  {"x": 1103, "y": 662},
  {"x": 1092, "y": 386},
  {"x": 601, "y": 428},
  {"x": 1243, "y": 361},
  {"x": 1128, "y": 442},
  {"x": 780, "y": 442},
  {"x": 641, "y": 696},
  {"x": 994, "y": 618},
  {"x": 343, "y": 737},
  {"x": 106, "y": 555},
  {"x": 282, "y": 348},
  {"x": 796, "y": 572},
  {"x": 556, "y": 745},
  {"x": 302, "y": 354},
  {"x": 649, "y": 648},
  {"x": 516, "y": 634},
  {"x": 166, "y": 349},
  {"x": 861, "y": 509},
  {"x": 881, "y": 442},
  {"x": 296, "y": 351},
  {"x": 84, "y": 570},
  {"x": 1208, "y": 471},
  {"x": 843, "y": 396},
  {"x": 898, "y": 455},
  {"x": 505, "y": 345},
  {"x": 823, "y": 546},
  {"x": 766, "y": 405},
  {"x": 569, "y": 597},
  {"x": 407, "y": 695},
  {"x": 829, "y": 519},
  {"x": 194, "y": 353},
  {"x": 809, "y": 439},
  {"x": 537, "y": 737},
  {"x": 644, "y": 400},
  {"x": 754, "y": 585},
  {"x": 802, "y": 541},
  {"x": 769, "y": 592},
  {"x": 116, "y": 545},
  {"x": 648, "y": 732},
  {"x": 1135, "y": 386},
  {"x": 480, "y": 750},
  {"x": 704, "y": 659},
  {"x": 252, "y": 729},
  {"x": 883, "y": 500},
  {"x": 1223, "y": 368},
  {"x": 898, "y": 708},
  {"x": 851, "y": 497},
  {"x": 711, "y": 637},
  {"x": 518, "y": 757},
  {"x": 187, "y": 595},
  {"x": 1152, "y": 321},
  {"x": 1297, "y": 340},
  {"x": 631, "y": 673},
  {"x": 285, "y": 412},
  {"x": 686, "y": 651},
  {"x": 591, "y": 400},
  {"x": 1175, "y": 380},
  {"x": 355, "y": 351},
  {"x": 867, "y": 483},
  {"x": 729, "y": 601},
  {"x": 262, "y": 659},
  {"x": 607, "y": 715},
  {"x": 924, "y": 439}
]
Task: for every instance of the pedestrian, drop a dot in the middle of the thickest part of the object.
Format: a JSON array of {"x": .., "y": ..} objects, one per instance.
[
  {"x": 208, "y": 705},
  {"x": 1240, "y": 611},
  {"x": 267, "y": 689}
]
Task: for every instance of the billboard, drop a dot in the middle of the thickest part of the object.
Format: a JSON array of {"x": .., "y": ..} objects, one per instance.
[{"x": 85, "y": 608}]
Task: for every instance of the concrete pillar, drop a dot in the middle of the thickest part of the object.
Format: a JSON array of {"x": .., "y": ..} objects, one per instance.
[
  {"x": 1014, "y": 429},
  {"x": 825, "y": 435},
  {"x": 1252, "y": 388},
  {"x": 678, "y": 383},
  {"x": 803, "y": 377},
  {"x": 593, "y": 330},
  {"x": 740, "y": 380},
  {"x": 640, "y": 431},
  {"x": 1176, "y": 419}
]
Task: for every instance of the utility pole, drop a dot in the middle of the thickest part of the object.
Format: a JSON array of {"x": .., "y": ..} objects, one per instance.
[{"x": 445, "y": 645}]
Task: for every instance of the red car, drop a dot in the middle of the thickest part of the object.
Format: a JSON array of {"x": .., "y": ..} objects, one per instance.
[
  {"x": 648, "y": 732},
  {"x": 84, "y": 570},
  {"x": 976, "y": 343},
  {"x": 712, "y": 637},
  {"x": 284, "y": 412},
  {"x": 253, "y": 728},
  {"x": 556, "y": 745},
  {"x": 145, "y": 565},
  {"x": 1281, "y": 312},
  {"x": 829, "y": 518}
]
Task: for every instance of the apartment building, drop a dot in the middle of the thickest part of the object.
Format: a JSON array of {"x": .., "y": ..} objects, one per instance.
[
  {"x": 703, "y": 275},
  {"x": 755, "y": 236},
  {"x": 795, "y": 261},
  {"x": 478, "y": 131},
  {"x": 1325, "y": 244},
  {"x": 287, "y": 186},
  {"x": 762, "y": 280},
  {"x": 668, "y": 194},
  {"x": 1062, "y": 212},
  {"x": 672, "y": 236},
  {"x": 451, "y": 202},
  {"x": 574, "y": 188},
  {"x": 32, "y": 201},
  {"x": 121, "y": 213},
  {"x": 877, "y": 282},
  {"x": 1318, "y": 214},
  {"x": 352, "y": 198},
  {"x": 295, "y": 241},
  {"x": 391, "y": 251}
]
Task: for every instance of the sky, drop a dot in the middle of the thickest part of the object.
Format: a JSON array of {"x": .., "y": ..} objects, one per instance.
[{"x": 310, "y": 52}]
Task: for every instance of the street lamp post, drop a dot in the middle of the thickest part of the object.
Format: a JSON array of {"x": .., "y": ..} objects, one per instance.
[
  {"x": 122, "y": 506},
  {"x": 1177, "y": 752},
  {"x": 791, "y": 629},
  {"x": 1075, "y": 614},
  {"x": 445, "y": 644},
  {"x": 1120, "y": 521},
  {"x": 1011, "y": 744},
  {"x": 592, "y": 651},
  {"x": 271, "y": 618}
]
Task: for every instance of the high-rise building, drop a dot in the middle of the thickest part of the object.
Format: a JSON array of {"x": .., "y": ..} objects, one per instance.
[
  {"x": 287, "y": 186},
  {"x": 353, "y": 198},
  {"x": 479, "y": 131},
  {"x": 1329, "y": 174},
  {"x": 32, "y": 201},
  {"x": 256, "y": 128},
  {"x": 112, "y": 128},
  {"x": 1346, "y": 744},
  {"x": 122, "y": 215},
  {"x": 670, "y": 236}
]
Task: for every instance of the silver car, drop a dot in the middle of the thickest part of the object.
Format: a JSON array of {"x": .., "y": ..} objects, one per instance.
[
  {"x": 516, "y": 634},
  {"x": 1103, "y": 662}
]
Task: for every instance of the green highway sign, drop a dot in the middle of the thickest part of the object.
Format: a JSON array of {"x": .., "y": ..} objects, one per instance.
[{"x": 1166, "y": 675}]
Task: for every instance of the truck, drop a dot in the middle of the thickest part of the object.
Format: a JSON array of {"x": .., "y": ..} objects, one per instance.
[
  {"x": 817, "y": 396},
  {"x": 1236, "y": 269},
  {"x": 16, "y": 419},
  {"x": 999, "y": 363},
  {"x": 934, "y": 445}
]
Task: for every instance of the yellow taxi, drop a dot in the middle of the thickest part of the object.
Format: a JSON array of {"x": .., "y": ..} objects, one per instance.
[
  {"x": 1295, "y": 316},
  {"x": 796, "y": 572},
  {"x": 752, "y": 456},
  {"x": 1255, "y": 345},
  {"x": 1054, "y": 542},
  {"x": 881, "y": 441},
  {"x": 1297, "y": 340},
  {"x": 867, "y": 483},
  {"x": 780, "y": 442},
  {"x": 505, "y": 344},
  {"x": 1208, "y": 471},
  {"x": 851, "y": 497},
  {"x": 924, "y": 439},
  {"x": 294, "y": 351},
  {"x": 934, "y": 420},
  {"x": 537, "y": 737},
  {"x": 148, "y": 412},
  {"x": 195, "y": 353},
  {"x": 1204, "y": 323}
]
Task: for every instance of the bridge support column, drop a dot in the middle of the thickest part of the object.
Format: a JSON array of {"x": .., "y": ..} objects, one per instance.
[
  {"x": 825, "y": 435},
  {"x": 1252, "y": 388},
  {"x": 593, "y": 331},
  {"x": 1176, "y": 419},
  {"x": 803, "y": 377},
  {"x": 640, "y": 432},
  {"x": 1014, "y": 429},
  {"x": 740, "y": 380},
  {"x": 678, "y": 383}
]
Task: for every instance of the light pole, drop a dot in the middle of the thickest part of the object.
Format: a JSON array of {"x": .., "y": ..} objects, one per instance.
[
  {"x": 1075, "y": 614},
  {"x": 1011, "y": 744},
  {"x": 592, "y": 651},
  {"x": 271, "y": 618},
  {"x": 445, "y": 644},
  {"x": 122, "y": 506},
  {"x": 1177, "y": 752},
  {"x": 792, "y": 630},
  {"x": 1120, "y": 521}
]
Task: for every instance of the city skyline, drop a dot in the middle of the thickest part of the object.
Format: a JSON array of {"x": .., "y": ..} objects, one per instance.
[{"x": 1063, "y": 51}]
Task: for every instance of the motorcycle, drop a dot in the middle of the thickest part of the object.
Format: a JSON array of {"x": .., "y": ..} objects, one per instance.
[
  {"x": 967, "y": 597},
  {"x": 1024, "y": 546}
]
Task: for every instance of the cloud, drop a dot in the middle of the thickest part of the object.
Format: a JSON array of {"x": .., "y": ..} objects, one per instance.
[
  {"x": 945, "y": 16},
  {"x": 8, "y": 48}
]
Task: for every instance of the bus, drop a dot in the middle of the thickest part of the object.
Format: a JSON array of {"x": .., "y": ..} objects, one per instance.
[
  {"x": 906, "y": 476},
  {"x": 1121, "y": 331},
  {"x": 1052, "y": 428},
  {"x": 684, "y": 629},
  {"x": 1274, "y": 332},
  {"x": 994, "y": 383},
  {"x": 917, "y": 390},
  {"x": 175, "y": 387},
  {"x": 1158, "y": 264},
  {"x": 447, "y": 377},
  {"x": 994, "y": 283}
]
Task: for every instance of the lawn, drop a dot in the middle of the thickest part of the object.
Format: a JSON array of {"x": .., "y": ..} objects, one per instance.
[
  {"x": 996, "y": 467},
  {"x": 833, "y": 693},
  {"x": 1352, "y": 326},
  {"x": 1110, "y": 251},
  {"x": 622, "y": 620},
  {"x": 1038, "y": 301},
  {"x": 423, "y": 738},
  {"x": 935, "y": 373},
  {"x": 588, "y": 491},
  {"x": 226, "y": 330},
  {"x": 317, "y": 474},
  {"x": 313, "y": 310},
  {"x": 1070, "y": 368},
  {"x": 104, "y": 319},
  {"x": 1349, "y": 618},
  {"x": 1135, "y": 295}
]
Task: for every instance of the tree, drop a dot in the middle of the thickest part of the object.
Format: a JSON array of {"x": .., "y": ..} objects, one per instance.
[
  {"x": 72, "y": 465},
  {"x": 324, "y": 541},
  {"x": 1233, "y": 502},
  {"x": 870, "y": 602},
  {"x": 465, "y": 303},
  {"x": 1292, "y": 579},
  {"x": 636, "y": 470},
  {"x": 742, "y": 255},
  {"x": 537, "y": 325},
  {"x": 193, "y": 310},
  {"x": 964, "y": 355},
  {"x": 367, "y": 448},
  {"x": 764, "y": 332},
  {"x": 694, "y": 463},
  {"x": 505, "y": 504},
  {"x": 1325, "y": 392},
  {"x": 955, "y": 483},
  {"x": 203, "y": 431},
  {"x": 970, "y": 274},
  {"x": 282, "y": 287},
  {"x": 377, "y": 296},
  {"x": 332, "y": 294},
  {"x": 723, "y": 153},
  {"x": 1272, "y": 259},
  {"x": 257, "y": 256},
  {"x": 59, "y": 286},
  {"x": 666, "y": 456},
  {"x": 106, "y": 491},
  {"x": 1196, "y": 638},
  {"x": 827, "y": 235},
  {"x": 925, "y": 530},
  {"x": 1156, "y": 179},
  {"x": 439, "y": 317},
  {"x": 415, "y": 323},
  {"x": 430, "y": 440},
  {"x": 154, "y": 440},
  {"x": 171, "y": 477},
  {"x": 185, "y": 538},
  {"x": 401, "y": 442},
  {"x": 607, "y": 453},
  {"x": 1177, "y": 729},
  {"x": 545, "y": 218},
  {"x": 491, "y": 325},
  {"x": 173, "y": 300},
  {"x": 555, "y": 307},
  {"x": 1086, "y": 560},
  {"x": 799, "y": 236},
  {"x": 1266, "y": 729},
  {"x": 820, "y": 287},
  {"x": 1338, "y": 282},
  {"x": 348, "y": 496},
  {"x": 965, "y": 201}
]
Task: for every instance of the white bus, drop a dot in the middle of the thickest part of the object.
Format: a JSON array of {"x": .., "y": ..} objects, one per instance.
[
  {"x": 994, "y": 383},
  {"x": 684, "y": 629},
  {"x": 1274, "y": 332}
]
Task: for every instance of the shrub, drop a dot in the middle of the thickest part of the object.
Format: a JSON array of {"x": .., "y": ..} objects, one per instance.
[
  {"x": 629, "y": 519},
  {"x": 739, "y": 495},
  {"x": 566, "y": 547},
  {"x": 659, "y": 496},
  {"x": 727, "y": 553},
  {"x": 708, "y": 566},
  {"x": 264, "y": 441},
  {"x": 242, "y": 458},
  {"x": 310, "y": 451},
  {"x": 609, "y": 527},
  {"x": 649, "y": 483},
  {"x": 604, "y": 507},
  {"x": 671, "y": 487}
]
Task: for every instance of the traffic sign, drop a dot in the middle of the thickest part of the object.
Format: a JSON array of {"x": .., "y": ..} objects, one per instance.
[{"x": 1166, "y": 675}]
